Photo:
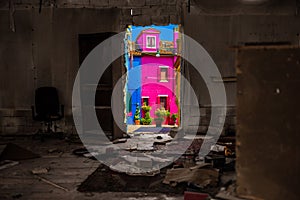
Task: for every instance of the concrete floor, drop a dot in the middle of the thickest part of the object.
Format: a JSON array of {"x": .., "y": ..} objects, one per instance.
[
  {"x": 65, "y": 170},
  {"x": 132, "y": 128}
]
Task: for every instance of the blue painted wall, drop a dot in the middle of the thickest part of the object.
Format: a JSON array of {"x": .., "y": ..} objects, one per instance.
[{"x": 133, "y": 86}]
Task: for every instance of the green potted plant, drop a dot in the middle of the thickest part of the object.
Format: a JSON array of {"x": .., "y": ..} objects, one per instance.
[
  {"x": 146, "y": 120},
  {"x": 174, "y": 117},
  {"x": 161, "y": 114},
  {"x": 137, "y": 115}
]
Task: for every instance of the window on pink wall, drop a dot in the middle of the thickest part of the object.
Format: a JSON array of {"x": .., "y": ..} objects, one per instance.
[
  {"x": 151, "y": 42},
  {"x": 145, "y": 100},
  {"x": 163, "y": 102},
  {"x": 163, "y": 74}
]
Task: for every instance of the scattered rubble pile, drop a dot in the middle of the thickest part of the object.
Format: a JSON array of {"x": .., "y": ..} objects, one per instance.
[
  {"x": 11, "y": 154},
  {"x": 213, "y": 174}
]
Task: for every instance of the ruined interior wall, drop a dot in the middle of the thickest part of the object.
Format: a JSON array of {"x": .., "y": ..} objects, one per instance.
[
  {"x": 268, "y": 123},
  {"x": 218, "y": 26},
  {"x": 43, "y": 50}
]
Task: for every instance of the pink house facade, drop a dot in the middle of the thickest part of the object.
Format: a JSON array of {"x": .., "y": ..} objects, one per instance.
[{"x": 158, "y": 83}]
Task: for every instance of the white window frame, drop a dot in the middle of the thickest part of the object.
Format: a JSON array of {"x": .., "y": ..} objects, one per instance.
[
  {"x": 147, "y": 45},
  {"x": 145, "y": 97},
  {"x": 163, "y": 67}
]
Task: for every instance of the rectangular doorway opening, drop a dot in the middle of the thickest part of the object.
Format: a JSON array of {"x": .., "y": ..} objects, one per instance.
[{"x": 152, "y": 88}]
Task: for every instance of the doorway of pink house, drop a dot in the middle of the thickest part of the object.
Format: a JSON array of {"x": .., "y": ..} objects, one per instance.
[{"x": 152, "y": 89}]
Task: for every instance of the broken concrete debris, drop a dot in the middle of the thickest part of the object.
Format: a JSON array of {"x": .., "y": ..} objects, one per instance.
[
  {"x": 51, "y": 183},
  {"x": 80, "y": 151},
  {"x": 7, "y": 163},
  {"x": 54, "y": 150},
  {"x": 134, "y": 170},
  {"x": 121, "y": 140},
  {"x": 14, "y": 152},
  {"x": 217, "y": 161},
  {"x": 37, "y": 171},
  {"x": 198, "y": 176},
  {"x": 217, "y": 148},
  {"x": 226, "y": 196},
  {"x": 144, "y": 162},
  {"x": 143, "y": 159},
  {"x": 228, "y": 193},
  {"x": 188, "y": 172}
]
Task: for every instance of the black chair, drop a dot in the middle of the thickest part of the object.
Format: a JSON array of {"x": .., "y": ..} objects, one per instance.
[{"x": 47, "y": 109}]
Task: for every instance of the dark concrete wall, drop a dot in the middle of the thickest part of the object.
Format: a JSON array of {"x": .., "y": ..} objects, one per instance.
[
  {"x": 220, "y": 25},
  {"x": 268, "y": 123},
  {"x": 43, "y": 51}
]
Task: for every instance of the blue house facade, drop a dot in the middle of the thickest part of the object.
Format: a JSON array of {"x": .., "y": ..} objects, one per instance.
[{"x": 133, "y": 87}]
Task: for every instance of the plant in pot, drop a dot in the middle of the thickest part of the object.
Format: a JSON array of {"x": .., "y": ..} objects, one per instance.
[
  {"x": 146, "y": 120},
  {"x": 137, "y": 115},
  {"x": 161, "y": 114},
  {"x": 174, "y": 117}
]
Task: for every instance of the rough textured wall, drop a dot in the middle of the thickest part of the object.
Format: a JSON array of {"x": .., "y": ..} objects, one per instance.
[
  {"x": 223, "y": 25},
  {"x": 43, "y": 51},
  {"x": 268, "y": 123},
  {"x": 144, "y": 12},
  {"x": 220, "y": 25},
  {"x": 45, "y": 44}
]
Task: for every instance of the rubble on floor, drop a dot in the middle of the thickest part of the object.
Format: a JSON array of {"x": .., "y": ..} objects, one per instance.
[
  {"x": 200, "y": 176},
  {"x": 7, "y": 163},
  {"x": 213, "y": 174},
  {"x": 39, "y": 170},
  {"x": 54, "y": 173},
  {"x": 187, "y": 172},
  {"x": 14, "y": 152}
]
